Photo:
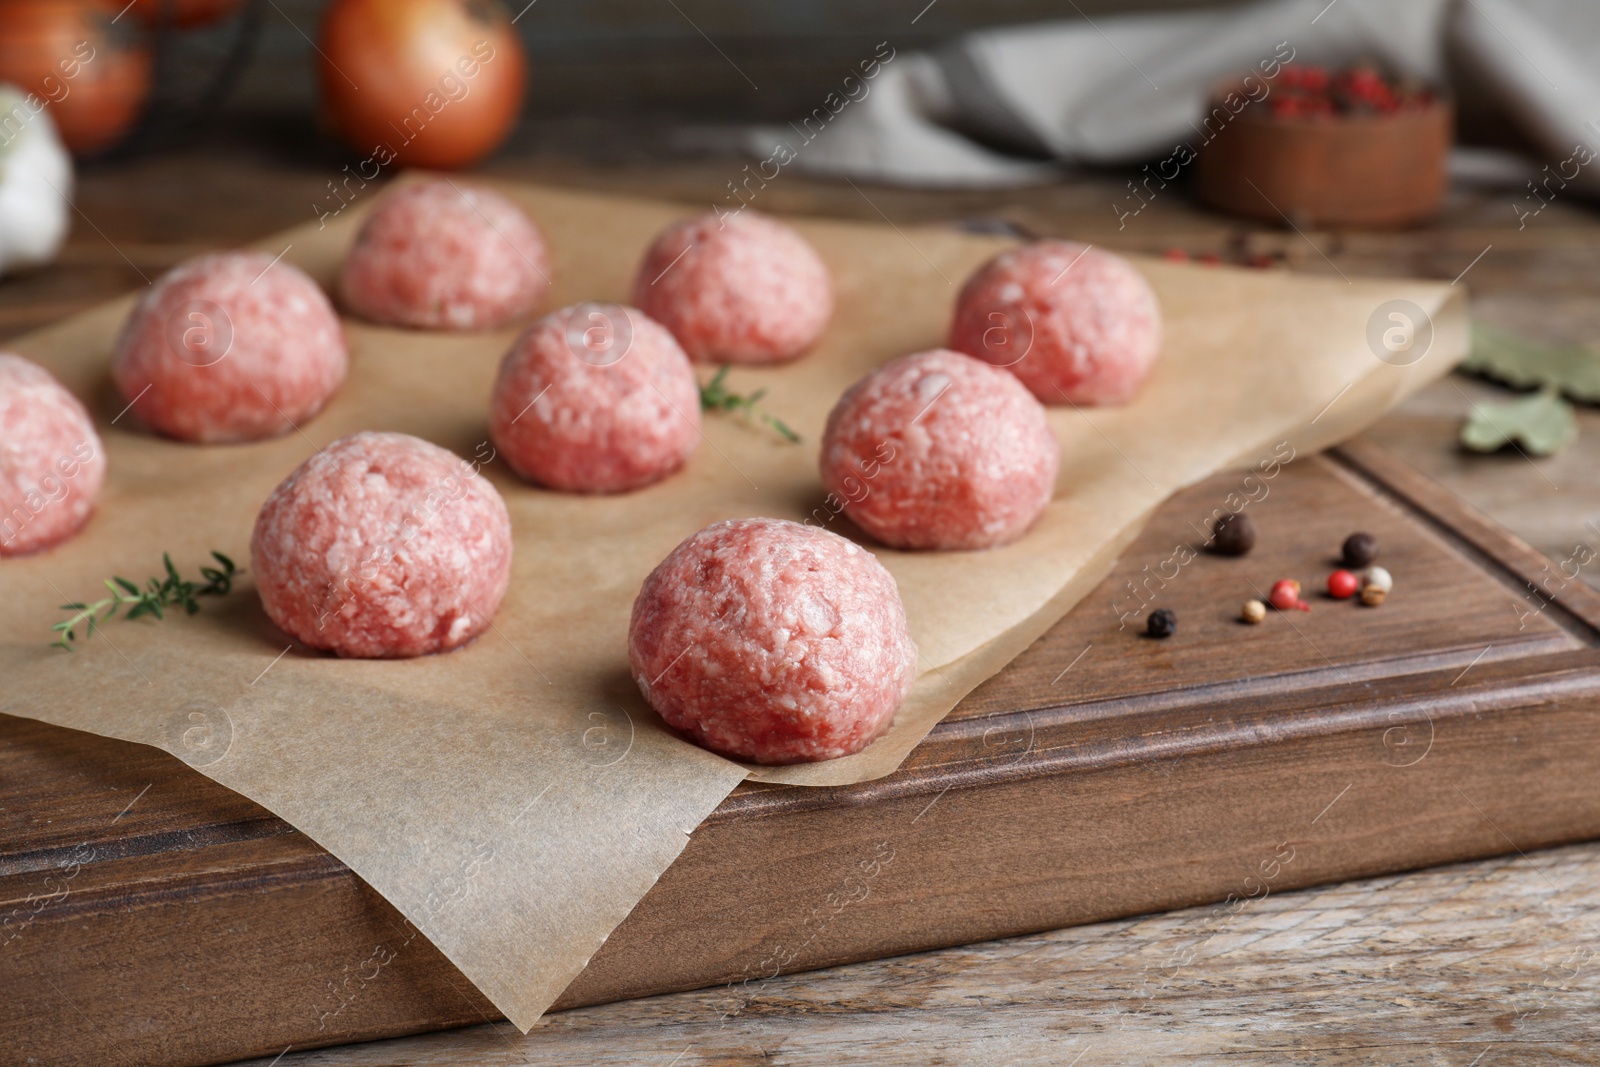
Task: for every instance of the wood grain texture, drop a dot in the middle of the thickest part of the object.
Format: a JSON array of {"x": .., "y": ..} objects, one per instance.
[
  {"x": 1381, "y": 1002},
  {"x": 1489, "y": 963},
  {"x": 1073, "y": 787}
]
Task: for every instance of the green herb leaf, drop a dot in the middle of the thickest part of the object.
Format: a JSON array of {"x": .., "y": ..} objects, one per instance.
[
  {"x": 1572, "y": 369},
  {"x": 1543, "y": 423},
  {"x": 157, "y": 595},
  {"x": 715, "y": 396}
]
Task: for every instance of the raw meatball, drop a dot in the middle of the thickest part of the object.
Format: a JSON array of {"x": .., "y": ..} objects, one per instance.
[
  {"x": 595, "y": 399},
  {"x": 772, "y": 642},
  {"x": 51, "y": 462},
  {"x": 382, "y": 545},
  {"x": 739, "y": 288},
  {"x": 939, "y": 450},
  {"x": 439, "y": 255},
  {"x": 230, "y": 347},
  {"x": 1074, "y": 324}
]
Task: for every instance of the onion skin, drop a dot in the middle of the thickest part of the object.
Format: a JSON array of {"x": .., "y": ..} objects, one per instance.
[
  {"x": 94, "y": 74},
  {"x": 422, "y": 83}
]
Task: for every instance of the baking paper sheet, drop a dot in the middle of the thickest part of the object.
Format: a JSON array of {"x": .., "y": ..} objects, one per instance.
[{"x": 514, "y": 799}]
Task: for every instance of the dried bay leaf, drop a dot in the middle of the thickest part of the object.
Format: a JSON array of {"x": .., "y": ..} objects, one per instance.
[
  {"x": 1524, "y": 364},
  {"x": 1543, "y": 423}
]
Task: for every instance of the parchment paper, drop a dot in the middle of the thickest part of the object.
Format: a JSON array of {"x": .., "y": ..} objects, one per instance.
[{"x": 514, "y": 799}]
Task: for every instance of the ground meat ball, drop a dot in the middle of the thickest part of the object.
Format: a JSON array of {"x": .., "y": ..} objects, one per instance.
[
  {"x": 595, "y": 399},
  {"x": 382, "y": 545},
  {"x": 51, "y": 461},
  {"x": 230, "y": 347},
  {"x": 772, "y": 642},
  {"x": 440, "y": 255},
  {"x": 739, "y": 288},
  {"x": 1076, "y": 325},
  {"x": 939, "y": 450}
]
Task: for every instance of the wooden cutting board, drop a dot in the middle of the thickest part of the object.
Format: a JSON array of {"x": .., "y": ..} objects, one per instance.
[{"x": 149, "y": 916}]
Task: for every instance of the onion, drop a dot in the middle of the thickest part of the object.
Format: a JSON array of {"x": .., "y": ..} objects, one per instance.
[
  {"x": 93, "y": 71},
  {"x": 431, "y": 83}
]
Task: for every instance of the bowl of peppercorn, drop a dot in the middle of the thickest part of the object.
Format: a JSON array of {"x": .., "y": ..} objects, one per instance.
[{"x": 1354, "y": 147}]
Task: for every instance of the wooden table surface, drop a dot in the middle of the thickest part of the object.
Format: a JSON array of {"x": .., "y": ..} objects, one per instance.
[{"x": 1473, "y": 964}]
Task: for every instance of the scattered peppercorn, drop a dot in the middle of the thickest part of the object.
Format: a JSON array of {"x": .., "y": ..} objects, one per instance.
[
  {"x": 1377, "y": 577},
  {"x": 1286, "y": 596},
  {"x": 1161, "y": 623},
  {"x": 1254, "y": 611},
  {"x": 1373, "y": 595},
  {"x": 1233, "y": 534},
  {"x": 1360, "y": 549},
  {"x": 1342, "y": 585}
]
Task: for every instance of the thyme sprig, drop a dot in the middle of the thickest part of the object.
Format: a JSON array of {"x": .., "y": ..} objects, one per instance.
[
  {"x": 716, "y": 396},
  {"x": 158, "y": 594}
]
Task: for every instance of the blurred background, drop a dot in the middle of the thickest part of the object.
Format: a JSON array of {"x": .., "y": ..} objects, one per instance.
[
  {"x": 651, "y": 58},
  {"x": 633, "y": 63}
]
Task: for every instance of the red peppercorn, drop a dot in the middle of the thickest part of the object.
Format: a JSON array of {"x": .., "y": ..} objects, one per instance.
[
  {"x": 1210, "y": 259},
  {"x": 1286, "y": 596},
  {"x": 1342, "y": 585},
  {"x": 1363, "y": 83},
  {"x": 1175, "y": 255}
]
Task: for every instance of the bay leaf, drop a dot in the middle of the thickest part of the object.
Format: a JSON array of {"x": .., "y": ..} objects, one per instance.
[{"x": 1543, "y": 423}]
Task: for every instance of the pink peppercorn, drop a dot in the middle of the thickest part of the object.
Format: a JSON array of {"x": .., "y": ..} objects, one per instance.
[
  {"x": 1342, "y": 585},
  {"x": 1286, "y": 596}
]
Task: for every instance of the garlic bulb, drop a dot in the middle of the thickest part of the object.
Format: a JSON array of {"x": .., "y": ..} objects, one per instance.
[{"x": 35, "y": 182}]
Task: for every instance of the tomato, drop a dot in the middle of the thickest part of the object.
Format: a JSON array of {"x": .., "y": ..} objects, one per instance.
[
  {"x": 184, "y": 13},
  {"x": 429, "y": 83},
  {"x": 92, "y": 72}
]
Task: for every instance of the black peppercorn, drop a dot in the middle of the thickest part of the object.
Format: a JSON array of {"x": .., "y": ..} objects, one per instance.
[
  {"x": 1360, "y": 549},
  {"x": 1233, "y": 534},
  {"x": 1161, "y": 623}
]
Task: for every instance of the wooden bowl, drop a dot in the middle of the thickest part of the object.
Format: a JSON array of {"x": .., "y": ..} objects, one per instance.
[{"x": 1367, "y": 171}]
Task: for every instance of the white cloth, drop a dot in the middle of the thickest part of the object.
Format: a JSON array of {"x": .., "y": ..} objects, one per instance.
[{"x": 1014, "y": 106}]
